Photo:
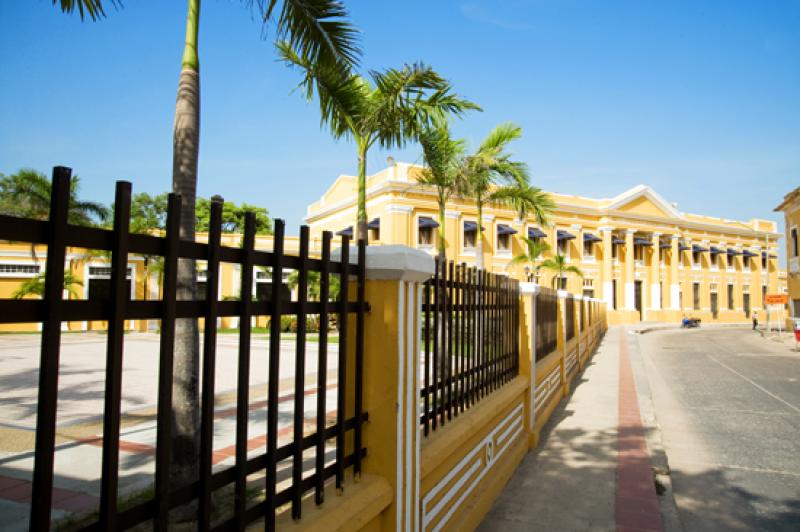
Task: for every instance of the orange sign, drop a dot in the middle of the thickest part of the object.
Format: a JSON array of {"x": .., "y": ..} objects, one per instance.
[{"x": 776, "y": 299}]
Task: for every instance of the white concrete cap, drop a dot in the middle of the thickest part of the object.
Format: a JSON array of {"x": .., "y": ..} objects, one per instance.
[
  {"x": 400, "y": 263},
  {"x": 563, "y": 294},
  {"x": 529, "y": 288}
]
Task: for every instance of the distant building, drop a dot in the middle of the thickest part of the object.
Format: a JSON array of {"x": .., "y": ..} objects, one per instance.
[
  {"x": 791, "y": 214},
  {"x": 645, "y": 258},
  {"x": 639, "y": 253}
]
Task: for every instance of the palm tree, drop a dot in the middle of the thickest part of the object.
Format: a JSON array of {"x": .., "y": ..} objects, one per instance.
[
  {"x": 390, "y": 108},
  {"x": 35, "y": 286},
  {"x": 560, "y": 265},
  {"x": 489, "y": 175},
  {"x": 443, "y": 157},
  {"x": 27, "y": 194},
  {"x": 534, "y": 249},
  {"x": 319, "y": 33}
]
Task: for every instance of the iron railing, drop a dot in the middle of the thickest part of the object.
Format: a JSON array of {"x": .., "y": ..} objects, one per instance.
[
  {"x": 546, "y": 322},
  {"x": 470, "y": 341},
  {"x": 52, "y": 310}
]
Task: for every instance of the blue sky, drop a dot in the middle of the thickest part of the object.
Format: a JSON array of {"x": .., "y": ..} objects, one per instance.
[{"x": 697, "y": 99}]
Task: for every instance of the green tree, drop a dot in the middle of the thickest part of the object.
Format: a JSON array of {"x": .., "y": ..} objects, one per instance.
[
  {"x": 389, "y": 108},
  {"x": 534, "y": 249},
  {"x": 317, "y": 30},
  {"x": 314, "y": 285},
  {"x": 560, "y": 266},
  {"x": 232, "y": 217},
  {"x": 26, "y": 194},
  {"x": 35, "y": 286},
  {"x": 148, "y": 213},
  {"x": 491, "y": 176},
  {"x": 444, "y": 159}
]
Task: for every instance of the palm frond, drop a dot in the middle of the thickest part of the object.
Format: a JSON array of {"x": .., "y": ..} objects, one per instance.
[
  {"x": 341, "y": 95},
  {"x": 317, "y": 29},
  {"x": 575, "y": 270},
  {"x": 93, "y": 8},
  {"x": 525, "y": 200},
  {"x": 499, "y": 138}
]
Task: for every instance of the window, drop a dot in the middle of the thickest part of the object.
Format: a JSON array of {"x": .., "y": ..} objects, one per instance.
[
  {"x": 638, "y": 252},
  {"x": 763, "y": 293},
  {"x": 425, "y": 237},
  {"x": 730, "y": 296},
  {"x": 614, "y": 251},
  {"x": 794, "y": 242},
  {"x": 746, "y": 262},
  {"x": 614, "y": 294},
  {"x": 27, "y": 269},
  {"x": 696, "y": 296},
  {"x": 375, "y": 234},
  {"x": 731, "y": 264},
  {"x": 503, "y": 242},
  {"x": 588, "y": 288},
  {"x": 105, "y": 271},
  {"x": 562, "y": 283},
  {"x": 764, "y": 260},
  {"x": 588, "y": 249},
  {"x": 99, "y": 282},
  {"x": 695, "y": 258},
  {"x": 470, "y": 232},
  {"x": 562, "y": 247}
]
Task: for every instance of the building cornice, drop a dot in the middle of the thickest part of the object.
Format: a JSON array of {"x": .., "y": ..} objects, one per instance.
[{"x": 665, "y": 225}]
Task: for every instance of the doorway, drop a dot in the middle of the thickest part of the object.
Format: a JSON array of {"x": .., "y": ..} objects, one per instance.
[
  {"x": 746, "y": 304},
  {"x": 637, "y": 297},
  {"x": 714, "y": 308}
]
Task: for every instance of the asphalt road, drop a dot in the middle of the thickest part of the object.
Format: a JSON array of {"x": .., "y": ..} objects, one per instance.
[{"x": 728, "y": 405}]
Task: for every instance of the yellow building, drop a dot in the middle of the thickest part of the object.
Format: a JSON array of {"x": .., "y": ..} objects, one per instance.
[
  {"x": 791, "y": 213},
  {"x": 92, "y": 271},
  {"x": 646, "y": 259},
  {"x": 638, "y": 252}
]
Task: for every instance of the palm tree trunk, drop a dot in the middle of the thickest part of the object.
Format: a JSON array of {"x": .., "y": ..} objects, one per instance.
[
  {"x": 361, "y": 215},
  {"x": 479, "y": 244},
  {"x": 186, "y": 137},
  {"x": 442, "y": 250}
]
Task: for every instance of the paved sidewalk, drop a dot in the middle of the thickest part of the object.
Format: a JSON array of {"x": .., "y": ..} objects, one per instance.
[
  {"x": 592, "y": 469},
  {"x": 79, "y": 430}
]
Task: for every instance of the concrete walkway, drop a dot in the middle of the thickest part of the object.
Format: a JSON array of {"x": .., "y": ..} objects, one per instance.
[{"x": 592, "y": 469}]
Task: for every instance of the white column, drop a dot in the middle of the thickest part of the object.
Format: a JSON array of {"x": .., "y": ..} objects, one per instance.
[
  {"x": 607, "y": 267},
  {"x": 675, "y": 287},
  {"x": 630, "y": 274},
  {"x": 655, "y": 273}
]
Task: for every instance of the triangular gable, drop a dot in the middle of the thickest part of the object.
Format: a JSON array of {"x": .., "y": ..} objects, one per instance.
[
  {"x": 643, "y": 200},
  {"x": 341, "y": 189}
]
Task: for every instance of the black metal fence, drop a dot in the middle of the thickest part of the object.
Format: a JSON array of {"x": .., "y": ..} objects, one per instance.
[
  {"x": 546, "y": 322},
  {"x": 52, "y": 310},
  {"x": 470, "y": 339},
  {"x": 569, "y": 317}
]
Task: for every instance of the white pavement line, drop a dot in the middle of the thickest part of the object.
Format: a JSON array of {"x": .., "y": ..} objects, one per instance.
[
  {"x": 735, "y": 411},
  {"x": 742, "y": 468},
  {"x": 755, "y": 384}
]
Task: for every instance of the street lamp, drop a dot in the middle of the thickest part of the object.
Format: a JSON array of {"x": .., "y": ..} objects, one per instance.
[{"x": 528, "y": 273}]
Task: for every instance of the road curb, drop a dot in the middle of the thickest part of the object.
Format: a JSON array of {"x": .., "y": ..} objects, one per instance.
[{"x": 660, "y": 461}]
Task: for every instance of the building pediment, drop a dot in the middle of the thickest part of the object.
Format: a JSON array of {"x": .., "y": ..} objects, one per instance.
[{"x": 643, "y": 200}]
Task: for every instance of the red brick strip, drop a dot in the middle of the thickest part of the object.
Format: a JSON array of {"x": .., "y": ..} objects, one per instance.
[
  {"x": 636, "y": 505},
  {"x": 19, "y": 490}
]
